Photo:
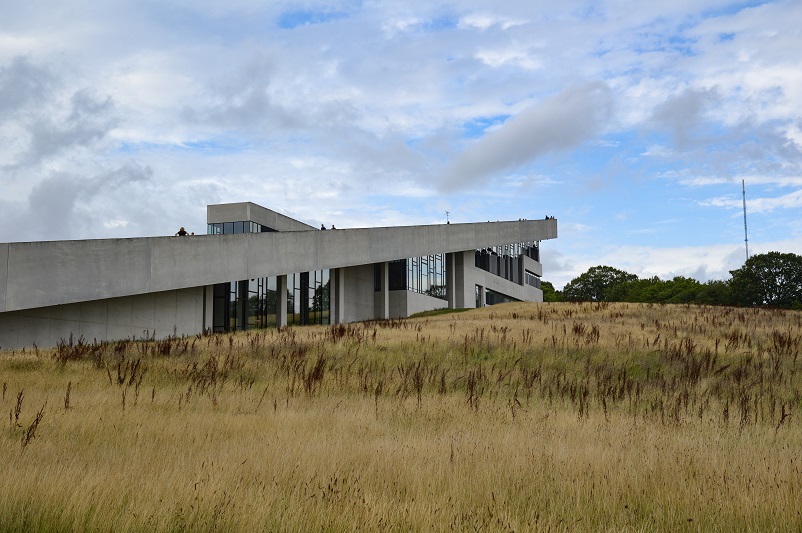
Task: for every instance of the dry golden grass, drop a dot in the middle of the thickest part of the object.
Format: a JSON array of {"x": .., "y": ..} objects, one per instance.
[{"x": 519, "y": 417}]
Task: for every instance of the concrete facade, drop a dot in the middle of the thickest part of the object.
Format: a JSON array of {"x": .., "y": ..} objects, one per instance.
[
  {"x": 109, "y": 289},
  {"x": 144, "y": 316}
]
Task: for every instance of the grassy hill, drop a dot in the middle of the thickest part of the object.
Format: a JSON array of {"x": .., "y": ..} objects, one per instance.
[{"x": 516, "y": 417}]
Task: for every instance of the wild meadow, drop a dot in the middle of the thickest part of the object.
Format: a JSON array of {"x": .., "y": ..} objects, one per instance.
[{"x": 517, "y": 417}]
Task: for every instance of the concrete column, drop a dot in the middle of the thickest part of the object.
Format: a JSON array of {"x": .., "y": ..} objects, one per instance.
[
  {"x": 333, "y": 296},
  {"x": 281, "y": 297},
  {"x": 337, "y": 296},
  {"x": 451, "y": 280},
  {"x": 384, "y": 309},
  {"x": 463, "y": 294},
  {"x": 208, "y": 308}
]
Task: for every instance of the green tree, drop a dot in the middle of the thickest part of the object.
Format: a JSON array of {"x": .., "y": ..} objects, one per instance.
[
  {"x": 635, "y": 290},
  {"x": 594, "y": 284},
  {"x": 714, "y": 292},
  {"x": 549, "y": 293},
  {"x": 773, "y": 279},
  {"x": 656, "y": 290}
]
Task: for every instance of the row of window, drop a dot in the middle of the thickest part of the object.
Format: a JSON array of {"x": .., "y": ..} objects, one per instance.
[
  {"x": 227, "y": 228},
  {"x": 424, "y": 275}
]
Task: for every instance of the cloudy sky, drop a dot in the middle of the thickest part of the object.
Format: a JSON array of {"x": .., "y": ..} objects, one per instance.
[{"x": 632, "y": 122}]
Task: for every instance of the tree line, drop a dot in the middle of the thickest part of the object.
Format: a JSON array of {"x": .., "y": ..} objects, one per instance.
[{"x": 772, "y": 279}]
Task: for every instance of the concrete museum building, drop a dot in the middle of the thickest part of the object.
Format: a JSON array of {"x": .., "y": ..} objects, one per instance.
[{"x": 258, "y": 268}]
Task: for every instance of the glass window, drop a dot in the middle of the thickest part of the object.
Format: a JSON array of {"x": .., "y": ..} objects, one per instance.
[
  {"x": 245, "y": 304},
  {"x": 397, "y": 274},
  {"x": 424, "y": 275}
]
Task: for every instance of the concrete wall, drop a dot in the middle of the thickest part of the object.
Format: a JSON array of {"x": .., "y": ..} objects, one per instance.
[
  {"x": 359, "y": 301},
  {"x": 405, "y": 303},
  {"x": 42, "y": 274},
  {"x": 181, "y": 312},
  {"x": 532, "y": 266},
  {"x": 519, "y": 292},
  {"x": 158, "y": 315}
]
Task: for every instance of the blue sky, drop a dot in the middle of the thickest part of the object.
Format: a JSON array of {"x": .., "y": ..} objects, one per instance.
[{"x": 632, "y": 122}]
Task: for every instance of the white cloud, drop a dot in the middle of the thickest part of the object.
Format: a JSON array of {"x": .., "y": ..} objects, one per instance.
[
  {"x": 484, "y": 21},
  {"x": 792, "y": 200},
  {"x": 559, "y": 123},
  {"x": 498, "y": 58},
  {"x": 794, "y": 134}
]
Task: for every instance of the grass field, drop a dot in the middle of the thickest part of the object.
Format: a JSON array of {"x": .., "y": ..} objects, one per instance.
[{"x": 517, "y": 417}]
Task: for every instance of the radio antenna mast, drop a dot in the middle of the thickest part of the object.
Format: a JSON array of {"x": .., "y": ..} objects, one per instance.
[{"x": 746, "y": 234}]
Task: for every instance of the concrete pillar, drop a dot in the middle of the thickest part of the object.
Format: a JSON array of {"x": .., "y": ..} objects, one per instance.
[
  {"x": 208, "y": 308},
  {"x": 333, "y": 296},
  {"x": 451, "y": 280},
  {"x": 384, "y": 309},
  {"x": 337, "y": 296},
  {"x": 281, "y": 300},
  {"x": 463, "y": 294}
]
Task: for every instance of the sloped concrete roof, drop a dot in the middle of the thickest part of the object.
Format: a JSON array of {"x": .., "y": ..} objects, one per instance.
[{"x": 39, "y": 274}]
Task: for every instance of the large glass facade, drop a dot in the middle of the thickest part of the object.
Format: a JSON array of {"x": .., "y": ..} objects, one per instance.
[
  {"x": 245, "y": 304},
  {"x": 308, "y": 297},
  {"x": 424, "y": 275},
  {"x": 253, "y": 303},
  {"x": 262, "y": 302}
]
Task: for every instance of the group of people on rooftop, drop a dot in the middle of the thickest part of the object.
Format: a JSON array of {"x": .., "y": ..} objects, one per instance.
[{"x": 323, "y": 227}]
